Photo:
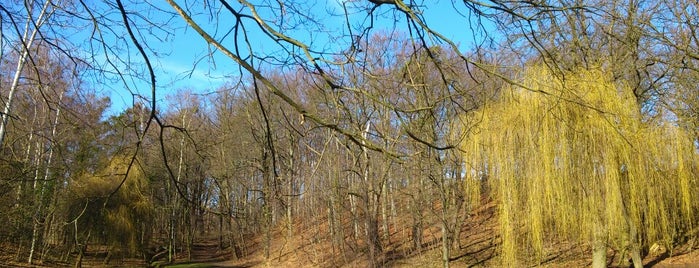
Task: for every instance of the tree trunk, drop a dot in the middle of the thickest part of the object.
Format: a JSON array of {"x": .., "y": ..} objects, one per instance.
[
  {"x": 373, "y": 241},
  {"x": 384, "y": 215},
  {"x": 355, "y": 220},
  {"x": 599, "y": 255},
  {"x": 172, "y": 237},
  {"x": 636, "y": 257},
  {"x": 220, "y": 230},
  {"x": 28, "y": 40},
  {"x": 82, "y": 247},
  {"x": 79, "y": 260},
  {"x": 267, "y": 230},
  {"x": 290, "y": 189},
  {"x": 267, "y": 206},
  {"x": 418, "y": 204},
  {"x": 416, "y": 230},
  {"x": 37, "y": 202},
  {"x": 446, "y": 234},
  {"x": 174, "y": 202},
  {"x": 445, "y": 245},
  {"x": 331, "y": 228},
  {"x": 47, "y": 174},
  {"x": 634, "y": 247}
]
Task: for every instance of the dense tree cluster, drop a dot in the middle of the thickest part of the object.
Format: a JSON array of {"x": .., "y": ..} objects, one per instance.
[{"x": 577, "y": 119}]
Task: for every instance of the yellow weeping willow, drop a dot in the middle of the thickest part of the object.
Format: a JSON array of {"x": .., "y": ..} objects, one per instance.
[
  {"x": 579, "y": 164},
  {"x": 123, "y": 217}
]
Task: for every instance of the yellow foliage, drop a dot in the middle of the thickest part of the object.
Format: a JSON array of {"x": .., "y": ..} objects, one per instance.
[
  {"x": 127, "y": 207},
  {"x": 576, "y": 161}
]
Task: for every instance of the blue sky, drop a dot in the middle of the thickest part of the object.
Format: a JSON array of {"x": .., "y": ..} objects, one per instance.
[{"x": 184, "y": 61}]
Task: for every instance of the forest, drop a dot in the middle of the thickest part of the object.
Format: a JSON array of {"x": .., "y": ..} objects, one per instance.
[{"x": 378, "y": 133}]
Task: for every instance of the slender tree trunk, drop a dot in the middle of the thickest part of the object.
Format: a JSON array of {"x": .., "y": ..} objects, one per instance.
[
  {"x": 82, "y": 247},
  {"x": 416, "y": 231},
  {"x": 384, "y": 214},
  {"x": 48, "y": 232},
  {"x": 417, "y": 202},
  {"x": 79, "y": 260},
  {"x": 444, "y": 193},
  {"x": 446, "y": 234},
  {"x": 190, "y": 231},
  {"x": 40, "y": 198},
  {"x": 392, "y": 200},
  {"x": 27, "y": 157},
  {"x": 371, "y": 208},
  {"x": 172, "y": 237},
  {"x": 445, "y": 245},
  {"x": 599, "y": 248},
  {"x": 337, "y": 231},
  {"x": 171, "y": 223},
  {"x": 28, "y": 40},
  {"x": 38, "y": 190},
  {"x": 267, "y": 205},
  {"x": 635, "y": 248},
  {"x": 220, "y": 229},
  {"x": 375, "y": 248},
  {"x": 267, "y": 222},
  {"x": 634, "y": 245},
  {"x": 35, "y": 225},
  {"x": 290, "y": 190},
  {"x": 175, "y": 204},
  {"x": 355, "y": 220}
]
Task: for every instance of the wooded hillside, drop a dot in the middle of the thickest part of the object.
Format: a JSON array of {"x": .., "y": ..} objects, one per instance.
[{"x": 536, "y": 133}]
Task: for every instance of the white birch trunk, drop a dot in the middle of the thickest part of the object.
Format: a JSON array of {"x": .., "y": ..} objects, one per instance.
[
  {"x": 28, "y": 40},
  {"x": 47, "y": 172}
]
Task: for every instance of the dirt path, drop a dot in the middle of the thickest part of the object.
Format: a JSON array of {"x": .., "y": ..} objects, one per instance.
[{"x": 207, "y": 253}]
